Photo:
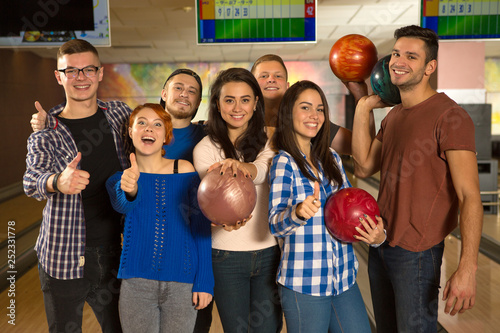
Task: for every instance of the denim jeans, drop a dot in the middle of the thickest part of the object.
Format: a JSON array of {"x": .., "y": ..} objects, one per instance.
[
  {"x": 151, "y": 306},
  {"x": 344, "y": 313},
  {"x": 405, "y": 288},
  {"x": 245, "y": 290},
  {"x": 99, "y": 287}
]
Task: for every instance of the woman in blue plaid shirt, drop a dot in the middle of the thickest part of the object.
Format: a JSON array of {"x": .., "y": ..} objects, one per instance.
[{"x": 317, "y": 273}]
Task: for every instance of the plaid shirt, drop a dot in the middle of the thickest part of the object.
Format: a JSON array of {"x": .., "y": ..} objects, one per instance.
[
  {"x": 312, "y": 261},
  {"x": 61, "y": 242}
]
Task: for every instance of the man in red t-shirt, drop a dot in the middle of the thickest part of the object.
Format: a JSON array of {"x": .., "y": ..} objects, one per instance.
[{"x": 425, "y": 153}]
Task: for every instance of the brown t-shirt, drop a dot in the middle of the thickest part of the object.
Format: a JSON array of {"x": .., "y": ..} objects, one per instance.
[{"x": 416, "y": 196}]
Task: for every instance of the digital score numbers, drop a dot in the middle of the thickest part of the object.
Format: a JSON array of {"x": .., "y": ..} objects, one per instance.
[
  {"x": 256, "y": 21},
  {"x": 462, "y": 19}
]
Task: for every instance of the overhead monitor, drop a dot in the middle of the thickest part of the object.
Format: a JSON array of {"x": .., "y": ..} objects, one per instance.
[
  {"x": 256, "y": 21},
  {"x": 52, "y": 23},
  {"x": 462, "y": 19}
]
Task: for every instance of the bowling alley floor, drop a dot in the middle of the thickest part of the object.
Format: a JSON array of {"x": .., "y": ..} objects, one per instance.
[
  {"x": 30, "y": 313},
  {"x": 485, "y": 316},
  {"x": 491, "y": 226}
]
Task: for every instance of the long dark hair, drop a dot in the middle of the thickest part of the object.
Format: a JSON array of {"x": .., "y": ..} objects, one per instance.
[
  {"x": 284, "y": 137},
  {"x": 251, "y": 142}
]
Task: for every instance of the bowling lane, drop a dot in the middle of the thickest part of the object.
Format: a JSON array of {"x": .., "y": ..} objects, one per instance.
[
  {"x": 485, "y": 316},
  {"x": 29, "y": 310},
  {"x": 21, "y": 210},
  {"x": 20, "y": 218},
  {"x": 491, "y": 226}
]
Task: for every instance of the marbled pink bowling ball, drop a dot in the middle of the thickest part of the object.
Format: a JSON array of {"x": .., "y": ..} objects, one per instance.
[{"x": 225, "y": 199}]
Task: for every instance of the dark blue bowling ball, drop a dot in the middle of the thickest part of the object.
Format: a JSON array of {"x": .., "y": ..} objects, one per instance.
[{"x": 380, "y": 80}]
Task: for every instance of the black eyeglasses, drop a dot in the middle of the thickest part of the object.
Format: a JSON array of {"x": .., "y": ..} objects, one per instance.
[{"x": 72, "y": 72}]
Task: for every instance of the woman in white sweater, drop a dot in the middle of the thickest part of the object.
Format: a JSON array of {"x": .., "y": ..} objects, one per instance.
[{"x": 245, "y": 257}]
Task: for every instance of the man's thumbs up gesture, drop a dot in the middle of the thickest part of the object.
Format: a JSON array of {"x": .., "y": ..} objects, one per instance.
[
  {"x": 38, "y": 119},
  {"x": 130, "y": 177},
  {"x": 72, "y": 180}
]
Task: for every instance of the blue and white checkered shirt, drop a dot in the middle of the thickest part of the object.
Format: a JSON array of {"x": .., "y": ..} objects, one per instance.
[
  {"x": 60, "y": 245},
  {"x": 312, "y": 261}
]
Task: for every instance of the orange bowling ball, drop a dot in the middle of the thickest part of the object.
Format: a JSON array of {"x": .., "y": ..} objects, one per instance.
[{"x": 352, "y": 58}]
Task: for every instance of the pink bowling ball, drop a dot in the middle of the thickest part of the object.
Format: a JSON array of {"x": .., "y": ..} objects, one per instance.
[{"x": 225, "y": 199}]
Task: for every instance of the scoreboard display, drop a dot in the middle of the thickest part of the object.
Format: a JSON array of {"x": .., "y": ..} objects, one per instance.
[
  {"x": 256, "y": 21},
  {"x": 462, "y": 19}
]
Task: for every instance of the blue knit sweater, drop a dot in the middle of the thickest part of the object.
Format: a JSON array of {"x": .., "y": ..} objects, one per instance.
[{"x": 166, "y": 236}]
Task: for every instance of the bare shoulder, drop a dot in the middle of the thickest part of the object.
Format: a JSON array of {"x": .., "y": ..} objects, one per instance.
[{"x": 185, "y": 166}]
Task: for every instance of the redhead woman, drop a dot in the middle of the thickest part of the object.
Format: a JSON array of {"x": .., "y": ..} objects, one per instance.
[{"x": 165, "y": 264}]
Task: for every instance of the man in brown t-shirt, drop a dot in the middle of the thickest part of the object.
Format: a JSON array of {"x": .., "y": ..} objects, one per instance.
[{"x": 425, "y": 153}]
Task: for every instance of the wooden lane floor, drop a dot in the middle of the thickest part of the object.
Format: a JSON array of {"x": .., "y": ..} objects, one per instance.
[
  {"x": 485, "y": 316},
  {"x": 491, "y": 226},
  {"x": 29, "y": 309},
  {"x": 30, "y": 313},
  {"x": 20, "y": 218},
  {"x": 21, "y": 210}
]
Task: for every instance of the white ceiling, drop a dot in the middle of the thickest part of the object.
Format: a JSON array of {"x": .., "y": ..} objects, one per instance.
[{"x": 153, "y": 31}]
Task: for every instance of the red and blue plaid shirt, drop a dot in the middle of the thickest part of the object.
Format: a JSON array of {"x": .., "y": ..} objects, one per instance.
[{"x": 60, "y": 245}]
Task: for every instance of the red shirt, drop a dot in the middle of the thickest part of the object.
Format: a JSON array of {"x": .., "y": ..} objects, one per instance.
[{"x": 416, "y": 196}]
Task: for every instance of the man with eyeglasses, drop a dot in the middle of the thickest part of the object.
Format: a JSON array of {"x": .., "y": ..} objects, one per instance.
[
  {"x": 67, "y": 164},
  {"x": 180, "y": 97}
]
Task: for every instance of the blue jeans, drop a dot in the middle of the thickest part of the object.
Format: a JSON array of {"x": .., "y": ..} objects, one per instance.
[
  {"x": 245, "y": 290},
  {"x": 150, "y": 306},
  {"x": 405, "y": 288},
  {"x": 99, "y": 287},
  {"x": 344, "y": 313}
]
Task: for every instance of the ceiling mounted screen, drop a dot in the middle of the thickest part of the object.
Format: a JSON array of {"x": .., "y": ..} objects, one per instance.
[
  {"x": 462, "y": 19},
  {"x": 256, "y": 21}
]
